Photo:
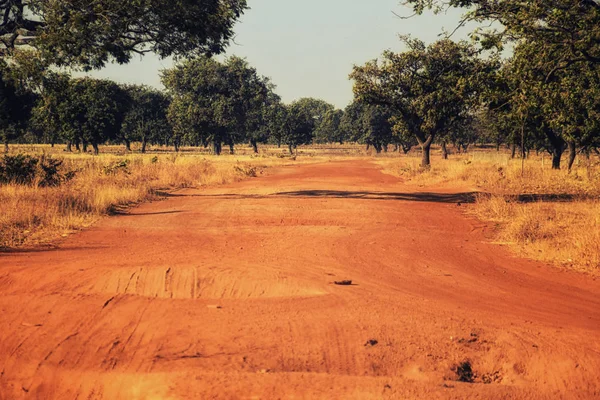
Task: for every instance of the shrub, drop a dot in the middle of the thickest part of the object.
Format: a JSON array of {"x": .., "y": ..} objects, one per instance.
[{"x": 24, "y": 169}]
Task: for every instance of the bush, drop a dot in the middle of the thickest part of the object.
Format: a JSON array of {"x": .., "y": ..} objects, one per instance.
[
  {"x": 117, "y": 167},
  {"x": 24, "y": 169},
  {"x": 19, "y": 169}
]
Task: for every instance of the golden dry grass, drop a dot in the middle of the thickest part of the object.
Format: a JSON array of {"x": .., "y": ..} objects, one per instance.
[
  {"x": 103, "y": 184},
  {"x": 547, "y": 215}
]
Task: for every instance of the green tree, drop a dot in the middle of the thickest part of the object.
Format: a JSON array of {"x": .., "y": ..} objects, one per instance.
[
  {"x": 16, "y": 104},
  {"x": 571, "y": 27},
  {"x": 350, "y": 123},
  {"x": 542, "y": 109},
  {"x": 145, "y": 118},
  {"x": 97, "y": 107},
  {"x": 427, "y": 88},
  {"x": 328, "y": 130},
  {"x": 251, "y": 96},
  {"x": 275, "y": 120},
  {"x": 217, "y": 102},
  {"x": 50, "y": 115},
  {"x": 377, "y": 128},
  {"x": 90, "y": 33}
]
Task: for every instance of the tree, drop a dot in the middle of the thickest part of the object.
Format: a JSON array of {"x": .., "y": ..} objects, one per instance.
[
  {"x": 251, "y": 95},
  {"x": 328, "y": 130},
  {"x": 376, "y": 127},
  {"x": 90, "y": 33},
  {"x": 16, "y": 104},
  {"x": 97, "y": 107},
  {"x": 553, "y": 111},
  {"x": 350, "y": 123},
  {"x": 571, "y": 27},
  {"x": 275, "y": 120},
  {"x": 145, "y": 118},
  {"x": 51, "y": 114},
  {"x": 428, "y": 88},
  {"x": 303, "y": 117},
  {"x": 217, "y": 102}
]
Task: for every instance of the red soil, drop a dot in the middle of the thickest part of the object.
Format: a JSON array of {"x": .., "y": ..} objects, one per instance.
[{"x": 228, "y": 293}]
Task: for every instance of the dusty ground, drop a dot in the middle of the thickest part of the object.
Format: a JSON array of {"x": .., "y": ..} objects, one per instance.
[{"x": 227, "y": 293}]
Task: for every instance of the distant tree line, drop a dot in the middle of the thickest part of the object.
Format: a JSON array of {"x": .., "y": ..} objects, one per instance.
[
  {"x": 544, "y": 97},
  {"x": 207, "y": 103}
]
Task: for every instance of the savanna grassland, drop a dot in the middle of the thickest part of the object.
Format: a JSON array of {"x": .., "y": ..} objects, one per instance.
[{"x": 540, "y": 213}]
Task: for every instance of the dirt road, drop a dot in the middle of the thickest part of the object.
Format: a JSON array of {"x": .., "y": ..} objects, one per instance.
[{"x": 228, "y": 293}]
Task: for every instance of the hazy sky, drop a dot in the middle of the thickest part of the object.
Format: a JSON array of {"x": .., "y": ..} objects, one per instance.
[{"x": 308, "y": 47}]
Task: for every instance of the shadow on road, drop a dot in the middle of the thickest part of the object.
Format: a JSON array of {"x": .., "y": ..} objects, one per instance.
[
  {"x": 468, "y": 197},
  {"x": 432, "y": 197}
]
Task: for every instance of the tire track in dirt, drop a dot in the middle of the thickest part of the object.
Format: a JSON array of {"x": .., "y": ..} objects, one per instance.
[{"x": 228, "y": 293}]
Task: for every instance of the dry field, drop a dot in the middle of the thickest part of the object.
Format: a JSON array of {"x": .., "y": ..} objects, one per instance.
[{"x": 547, "y": 215}]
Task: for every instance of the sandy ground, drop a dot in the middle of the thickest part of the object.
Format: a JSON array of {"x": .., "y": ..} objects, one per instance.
[{"x": 228, "y": 293}]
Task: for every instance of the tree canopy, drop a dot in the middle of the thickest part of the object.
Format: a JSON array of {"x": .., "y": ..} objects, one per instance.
[
  {"x": 569, "y": 29},
  {"x": 430, "y": 88},
  {"x": 90, "y": 33}
]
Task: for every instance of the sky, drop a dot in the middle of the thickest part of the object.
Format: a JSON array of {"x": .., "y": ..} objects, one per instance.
[{"x": 308, "y": 47}]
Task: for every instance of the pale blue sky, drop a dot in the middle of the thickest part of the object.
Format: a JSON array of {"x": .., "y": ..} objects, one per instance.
[{"x": 308, "y": 47}]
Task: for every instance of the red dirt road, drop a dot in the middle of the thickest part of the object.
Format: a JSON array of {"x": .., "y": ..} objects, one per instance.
[{"x": 227, "y": 293}]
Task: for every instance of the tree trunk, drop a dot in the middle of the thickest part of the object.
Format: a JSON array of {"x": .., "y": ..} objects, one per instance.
[
  {"x": 6, "y": 145},
  {"x": 291, "y": 148},
  {"x": 216, "y": 148},
  {"x": 176, "y": 143},
  {"x": 556, "y": 156},
  {"x": 368, "y": 146},
  {"x": 85, "y": 146},
  {"x": 69, "y": 147},
  {"x": 377, "y": 148},
  {"x": 144, "y": 143},
  {"x": 572, "y": 153},
  {"x": 77, "y": 146},
  {"x": 385, "y": 148},
  {"x": 231, "y": 150},
  {"x": 426, "y": 157},
  {"x": 254, "y": 146},
  {"x": 444, "y": 151},
  {"x": 96, "y": 150},
  {"x": 127, "y": 145},
  {"x": 513, "y": 150}
]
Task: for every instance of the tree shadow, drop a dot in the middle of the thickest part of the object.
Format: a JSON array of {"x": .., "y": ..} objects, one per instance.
[
  {"x": 429, "y": 197},
  {"x": 55, "y": 248},
  {"x": 139, "y": 214}
]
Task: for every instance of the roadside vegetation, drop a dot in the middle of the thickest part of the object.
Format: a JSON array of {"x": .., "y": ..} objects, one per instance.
[
  {"x": 38, "y": 206},
  {"x": 541, "y": 213}
]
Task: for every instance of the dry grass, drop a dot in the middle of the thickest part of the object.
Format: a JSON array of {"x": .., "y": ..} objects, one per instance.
[
  {"x": 547, "y": 215},
  {"x": 32, "y": 215}
]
